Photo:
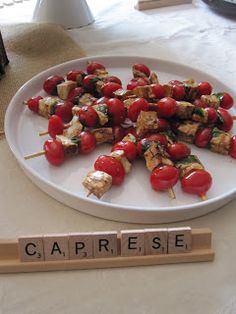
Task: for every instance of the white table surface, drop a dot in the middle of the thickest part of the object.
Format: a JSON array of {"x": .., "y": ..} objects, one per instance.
[{"x": 188, "y": 34}]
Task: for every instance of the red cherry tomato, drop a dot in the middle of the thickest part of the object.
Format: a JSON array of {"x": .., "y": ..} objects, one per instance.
[
  {"x": 118, "y": 132},
  {"x": 197, "y": 182},
  {"x": 164, "y": 178},
  {"x": 87, "y": 142},
  {"x": 142, "y": 146},
  {"x": 226, "y": 100},
  {"x": 232, "y": 150},
  {"x": 109, "y": 88},
  {"x": 140, "y": 70},
  {"x": 178, "y": 92},
  {"x": 175, "y": 82},
  {"x": 199, "y": 103},
  {"x": 113, "y": 79},
  {"x": 178, "y": 151},
  {"x": 111, "y": 166},
  {"x": 50, "y": 84},
  {"x": 138, "y": 105},
  {"x": 203, "y": 137},
  {"x": 74, "y": 95},
  {"x": 89, "y": 82},
  {"x": 54, "y": 152},
  {"x": 138, "y": 81},
  {"x": 116, "y": 110},
  {"x": 128, "y": 147},
  {"x": 163, "y": 124},
  {"x": 160, "y": 138},
  {"x": 93, "y": 66},
  {"x": 158, "y": 90},
  {"x": 55, "y": 126},
  {"x": 166, "y": 107},
  {"x": 225, "y": 121},
  {"x": 204, "y": 88},
  {"x": 88, "y": 116},
  {"x": 64, "y": 111},
  {"x": 75, "y": 75},
  {"x": 33, "y": 103},
  {"x": 212, "y": 115}
]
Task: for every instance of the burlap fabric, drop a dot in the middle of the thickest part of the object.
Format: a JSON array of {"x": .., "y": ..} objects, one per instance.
[{"x": 32, "y": 48}]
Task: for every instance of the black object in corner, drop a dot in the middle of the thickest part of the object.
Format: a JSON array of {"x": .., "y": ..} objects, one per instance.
[{"x": 3, "y": 57}]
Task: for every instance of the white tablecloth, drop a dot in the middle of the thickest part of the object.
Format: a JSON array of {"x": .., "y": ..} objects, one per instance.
[{"x": 188, "y": 34}]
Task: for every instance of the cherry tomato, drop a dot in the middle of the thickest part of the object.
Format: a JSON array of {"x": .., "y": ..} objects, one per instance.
[
  {"x": 138, "y": 81},
  {"x": 142, "y": 146},
  {"x": 116, "y": 110},
  {"x": 64, "y": 111},
  {"x": 128, "y": 147},
  {"x": 50, "y": 84},
  {"x": 163, "y": 124},
  {"x": 157, "y": 137},
  {"x": 118, "y": 132},
  {"x": 33, "y": 103},
  {"x": 175, "y": 82},
  {"x": 111, "y": 166},
  {"x": 212, "y": 115},
  {"x": 138, "y": 105},
  {"x": 93, "y": 66},
  {"x": 232, "y": 150},
  {"x": 164, "y": 178},
  {"x": 87, "y": 142},
  {"x": 226, "y": 100},
  {"x": 225, "y": 121},
  {"x": 203, "y": 137},
  {"x": 158, "y": 90},
  {"x": 76, "y": 75},
  {"x": 89, "y": 82},
  {"x": 88, "y": 116},
  {"x": 54, "y": 152},
  {"x": 75, "y": 94},
  {"x": 178, "y": 92},
  {"x": 109, "y": 88},
  {"x": 199, "y": 103},
  {"x": 113, "y": 79},
  {"x": 197, "y": 182},
  {"x": 178, "y": 151},
  {"x": 55, "y": 126},
  {"x": 166, "y": 107},
  {"x": 204, "y": 88},
  {"x": 140, "y": 70}
]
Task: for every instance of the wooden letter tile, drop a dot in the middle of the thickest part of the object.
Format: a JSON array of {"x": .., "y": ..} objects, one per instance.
[
  {"x": 105, "y": 244},
  {"x": 56, "y": 247},
  {"x": 179, "y": 240},
  {"x": 132, "y": 242},
  {"x": 31, "y": 248},
  {"x": 155, "y": 241},
  {"x": 80, "y": 245}
]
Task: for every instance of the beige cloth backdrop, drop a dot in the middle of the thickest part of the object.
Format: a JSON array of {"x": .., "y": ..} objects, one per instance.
[{"x": 32, "y": 48}]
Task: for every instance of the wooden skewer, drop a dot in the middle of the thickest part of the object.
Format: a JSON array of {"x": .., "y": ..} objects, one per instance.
[
  {"x": 34, "y": 155},
  {"x": 203, "y": 197},
  {"x": 171, "y": 193},
  {"x": 234, "y": 117}
]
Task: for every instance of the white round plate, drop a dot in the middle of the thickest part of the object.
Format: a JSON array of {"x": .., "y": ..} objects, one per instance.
[{"x": 134, "y": 201}]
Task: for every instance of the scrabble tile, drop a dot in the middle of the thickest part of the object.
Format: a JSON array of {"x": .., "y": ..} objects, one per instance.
[
  {"x": 31, "y": 248},
  {"x": 179, "y": 240},
  {"x": 56, "y": 247},
  {"x": 105, "y": 244},
  {"x": 132, "y": 242},
  {"x": 155, "y": 241},
  {"x": 80, "y": 245}
]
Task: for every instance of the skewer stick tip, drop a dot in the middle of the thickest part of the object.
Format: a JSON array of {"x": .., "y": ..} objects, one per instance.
[
  {"x": 43, "y": 133},
  {"x": 34, "y": 155},
  {"x": 203, "y": 197},
  {"x": 171, "y": 193}
]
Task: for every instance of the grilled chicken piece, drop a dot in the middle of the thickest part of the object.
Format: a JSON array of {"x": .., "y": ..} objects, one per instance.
[
  {"x": 64, "y": 88},
  {"x": 200, "y": 115},
  {"x": 220, "y": 141},
  {"x": 191, "y": 89},
  {"x": 74, "y": 129},
  {"x": 129, "y": 138},
  {"x": 103, "y": 135},
  {"x": 147, "y": 121},
  {"x": 47, "y": 106},
  {"x": 168, "y": 90},
  {"x": 184, "y": 110},
  {"x": 211, "y": 101},
  {"x": 187, "y": 164},
  {"x": 154, "y": 156},
  {"x": 86, "y": 100},
  {"x": 120, "y": 156},
  {"x": 143, "y": 91},
  {"x": 98, "y": 183},
  {"x": 70, "y": 147},
  {"x": 123, "y": 94},
  {"x": 153, "y": 78},
  {"x": 187, "y": 131}
]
